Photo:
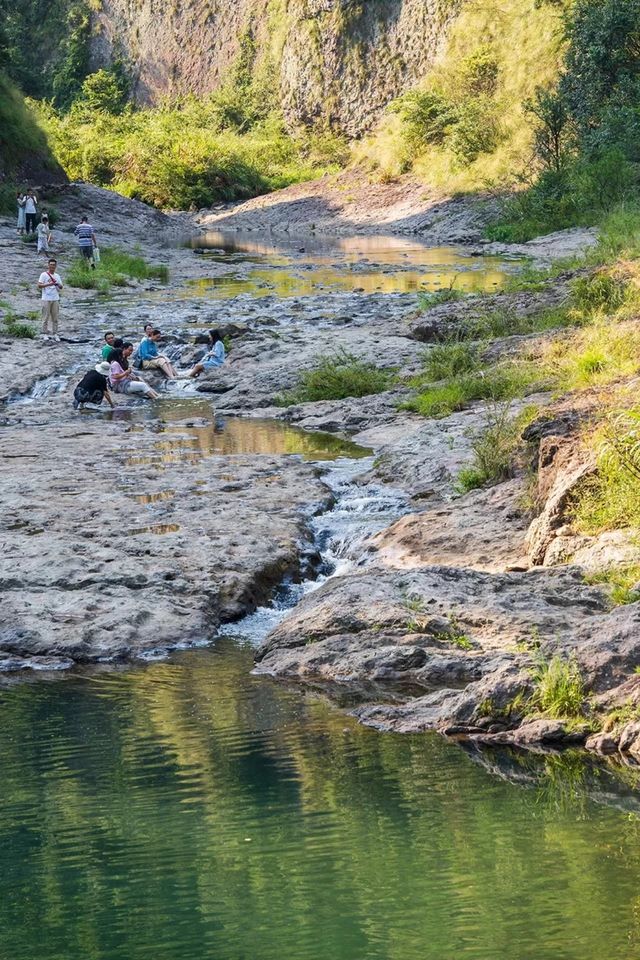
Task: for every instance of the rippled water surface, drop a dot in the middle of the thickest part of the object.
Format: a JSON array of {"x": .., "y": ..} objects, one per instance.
[{"x": 188, "y": 810}]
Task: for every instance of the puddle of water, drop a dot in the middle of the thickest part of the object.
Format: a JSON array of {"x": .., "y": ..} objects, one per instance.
[
  {"x": 153, "y": 497},
  {"x": 190, "y": 431},
  {"x": 157, "y": 528},
  {"x": 342, "y": 264}
]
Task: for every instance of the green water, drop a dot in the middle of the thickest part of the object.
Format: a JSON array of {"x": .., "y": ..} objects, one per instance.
[{"x": 187, "y": 810}]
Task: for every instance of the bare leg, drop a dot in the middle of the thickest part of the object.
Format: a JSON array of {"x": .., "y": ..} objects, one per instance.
[
  {"x": 197, "y": 370},
  {"x": 166, "y": 368}
]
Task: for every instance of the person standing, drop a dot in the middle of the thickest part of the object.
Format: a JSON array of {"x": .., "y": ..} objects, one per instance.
[
  {"x": 21, "y": 201},
  {"x": 30, "y": 211},
  {"x": 87, "y": 240},
  {"x": 44, "y": 234},
  {"x": 50, "y": 284}
]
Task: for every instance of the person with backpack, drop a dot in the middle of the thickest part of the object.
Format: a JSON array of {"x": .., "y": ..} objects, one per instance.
[
  {"x": 50, "y": 284},
  {"x": 87, "y": 241},
  {"x": 30, "y": 211}
]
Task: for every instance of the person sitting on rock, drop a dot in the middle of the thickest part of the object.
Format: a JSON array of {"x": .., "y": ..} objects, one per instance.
[
  {"x": 122, "y": 378},
  {"x": 149, "y": 357},
  {"x": 109, "y": 344},
  {"x": 146, "y": 332},
  {"x": 94, "y": 387},
  {"x": 213, "y": 359}
]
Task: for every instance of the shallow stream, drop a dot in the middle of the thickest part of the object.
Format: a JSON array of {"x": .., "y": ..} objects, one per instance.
[{"x": 186, "y": 809}]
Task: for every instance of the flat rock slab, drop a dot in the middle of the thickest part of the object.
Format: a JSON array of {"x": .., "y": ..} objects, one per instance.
[{"x": 110, "y": 545}]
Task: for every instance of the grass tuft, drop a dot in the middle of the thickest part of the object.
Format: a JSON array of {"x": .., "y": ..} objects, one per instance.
[
  {"x": 115, "y": 268},
  {"x": 337, "y": 377},
  {"x": 623, "y": 583},
  {"x": 559, "y": 688}
]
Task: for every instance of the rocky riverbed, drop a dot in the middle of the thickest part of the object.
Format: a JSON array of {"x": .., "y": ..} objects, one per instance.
[{"x": 138, "y": 531}]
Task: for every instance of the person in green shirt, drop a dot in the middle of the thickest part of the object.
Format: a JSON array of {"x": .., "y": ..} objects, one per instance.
[{"x": 109, "y": 337}]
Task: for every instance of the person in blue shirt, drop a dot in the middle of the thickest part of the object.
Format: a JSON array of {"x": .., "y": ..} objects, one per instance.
[
  {"x": 149, "y": 358},
  {"x": 214, "y": 358}
]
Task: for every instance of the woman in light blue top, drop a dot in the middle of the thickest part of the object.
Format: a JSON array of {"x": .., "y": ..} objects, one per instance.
[{"x": 214, "y": 358}]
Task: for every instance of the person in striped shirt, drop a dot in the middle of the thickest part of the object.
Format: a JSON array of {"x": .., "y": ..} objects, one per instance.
[{"x": 86, "y": 240}]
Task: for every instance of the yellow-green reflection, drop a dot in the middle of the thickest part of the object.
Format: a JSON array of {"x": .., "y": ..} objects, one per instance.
[
  {"x": 288, "y": 283},
  {"x": 186, "y": 438},
  {"x": 188, "y": 810}
]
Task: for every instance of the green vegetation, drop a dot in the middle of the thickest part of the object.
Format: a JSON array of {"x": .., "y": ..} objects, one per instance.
[
  {"x": 495, "y": 448},
  {"x": 587, "y": 127},
  {"x": 115, "y": 268},
  {"x": 21, "y": 139},
  {"x": 505, "y": 380},
  {"x": 13, "y": 326},
  {"x": 450, "y": 359},
  {"x": 466, "y": 127},
  {"x": 623, "y": 582},
  {"x": 559, "y": 689},
  {"x": 610, "y": 500},
  {"x": 337, "y": 377},
  {"x": 427, "y": 300}
]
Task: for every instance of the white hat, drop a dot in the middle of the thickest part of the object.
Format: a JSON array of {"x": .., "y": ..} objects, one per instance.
[{"x": 104, "y": 368}]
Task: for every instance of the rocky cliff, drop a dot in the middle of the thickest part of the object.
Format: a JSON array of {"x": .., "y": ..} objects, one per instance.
[{"x": 340, "y": 61}]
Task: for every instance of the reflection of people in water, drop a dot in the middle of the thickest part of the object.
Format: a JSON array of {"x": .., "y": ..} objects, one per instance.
[{"x": 214, "y": 358}]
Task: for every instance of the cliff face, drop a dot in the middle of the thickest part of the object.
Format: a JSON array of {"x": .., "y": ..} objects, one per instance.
[{"x": 340, "y": 61}]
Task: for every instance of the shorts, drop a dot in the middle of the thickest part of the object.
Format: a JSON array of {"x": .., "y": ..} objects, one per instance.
[
  {"x": 87, "y": 252},
  {"x": 154, "y": 364}
]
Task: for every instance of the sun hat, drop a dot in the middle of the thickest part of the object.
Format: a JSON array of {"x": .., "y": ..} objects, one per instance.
[{"x": 104, "y": 368}]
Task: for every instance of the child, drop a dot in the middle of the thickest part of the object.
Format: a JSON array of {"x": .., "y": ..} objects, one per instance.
[{"x": 44, "y": 234}]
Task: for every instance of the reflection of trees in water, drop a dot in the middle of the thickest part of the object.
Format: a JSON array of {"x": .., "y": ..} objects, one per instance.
[
  {"x": 247, "y": 436},
  {"x": 189, "y": 810}
]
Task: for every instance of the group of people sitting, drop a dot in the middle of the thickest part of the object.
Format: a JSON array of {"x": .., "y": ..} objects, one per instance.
[{"x": 116, "y": 370}]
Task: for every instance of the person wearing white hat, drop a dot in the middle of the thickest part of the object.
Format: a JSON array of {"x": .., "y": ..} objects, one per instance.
[{"x": 94, "y": 386}]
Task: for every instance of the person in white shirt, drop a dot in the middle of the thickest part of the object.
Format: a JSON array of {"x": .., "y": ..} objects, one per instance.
[
  {"x": 51, "y": 285},
  {"x": 44, "y": 234},
  {"x": 30, "y": 211}
]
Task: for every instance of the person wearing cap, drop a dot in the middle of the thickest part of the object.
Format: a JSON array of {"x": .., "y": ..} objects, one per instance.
[
  {"x": 94, "y": 386},
  {"x": 149, "y": 357}
]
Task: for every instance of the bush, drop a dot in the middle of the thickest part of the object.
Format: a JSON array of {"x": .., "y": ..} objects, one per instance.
[{"x": 336, "y": 378}]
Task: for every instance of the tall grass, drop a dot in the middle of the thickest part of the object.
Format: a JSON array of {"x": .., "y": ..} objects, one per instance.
[
  {"x": 115, "y": 268},
  {"x": 337, "y": 377},
  {"x": 503, "y": 381},
  {"x": 559, "y": 688},
  {"x": 495, "y": 448}
]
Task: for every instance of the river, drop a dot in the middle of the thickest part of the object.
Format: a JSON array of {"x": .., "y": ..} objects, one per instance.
[{"x": 184, "y": 808}]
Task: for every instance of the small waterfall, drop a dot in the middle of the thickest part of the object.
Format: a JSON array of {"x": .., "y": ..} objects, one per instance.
[{"x": 339, "y": 534}]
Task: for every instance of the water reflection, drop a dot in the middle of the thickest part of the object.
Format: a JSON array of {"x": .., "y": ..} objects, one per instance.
[
  {"x": 189, "y": 810},
  {"x": 342, "y": 264},
  {"x": 190, "y": 430}
]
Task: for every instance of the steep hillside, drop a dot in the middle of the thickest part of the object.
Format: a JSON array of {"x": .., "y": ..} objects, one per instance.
[
  {"x": 24, "y": 150},
  {"x": 339, "y": 61}
]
